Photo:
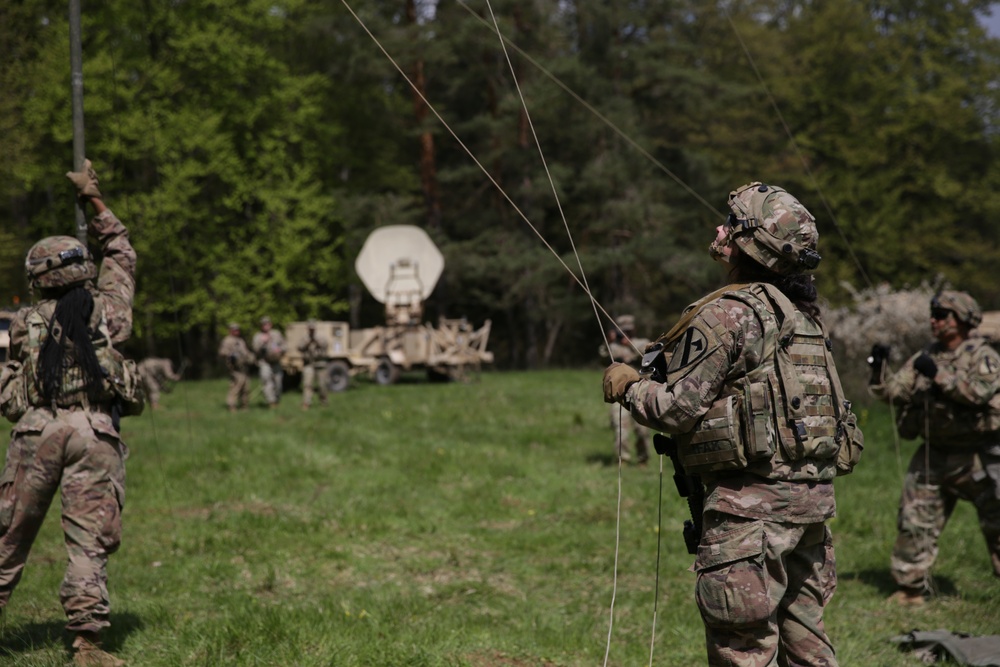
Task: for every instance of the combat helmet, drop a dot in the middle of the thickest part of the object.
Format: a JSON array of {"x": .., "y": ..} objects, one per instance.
[
  {"x": 59, "y": 261},
  {"x": 964, "y": 306},
  {"x": 773, "y": 228}
]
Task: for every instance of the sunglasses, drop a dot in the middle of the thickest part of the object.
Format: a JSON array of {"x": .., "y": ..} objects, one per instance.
[{"x": 940, "y": 313}]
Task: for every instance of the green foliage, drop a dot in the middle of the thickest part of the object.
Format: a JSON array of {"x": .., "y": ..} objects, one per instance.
[
  {"x": 252, "y": 147},
  {"x": 446, "y": 525}
]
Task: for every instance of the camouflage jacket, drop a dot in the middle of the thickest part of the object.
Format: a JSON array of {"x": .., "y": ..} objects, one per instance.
[
  {"x": 268, "y": 347},
  {"x": 314, "y": 349},
  {"x": 234, "y": 352},
  {"x": 959, "y": 407},
  {"x": 110, "y": 323},
  {"x": 727, "y": 341}
]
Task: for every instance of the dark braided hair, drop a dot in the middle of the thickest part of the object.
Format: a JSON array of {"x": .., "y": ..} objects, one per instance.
[
  {"x": 798, "y": 287},
  {"x": 68, "y": 342}
]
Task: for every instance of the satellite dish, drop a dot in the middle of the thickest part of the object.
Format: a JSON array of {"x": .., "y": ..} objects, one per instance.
[{"x": 401, "y": 255}]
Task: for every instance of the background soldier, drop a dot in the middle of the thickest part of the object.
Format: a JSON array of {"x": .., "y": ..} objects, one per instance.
[
  {"x": 623, "y": 349},
  {"x": 73, "y": 385},
  {"x": 765, "y": 558},
  {"x": 236, "y": 355},
  {"x": 156, "y": 373},
  {"x": 945, "y": 394},
  {"x": 314, "y": 351},
  {"x": 269, "y": 346}
]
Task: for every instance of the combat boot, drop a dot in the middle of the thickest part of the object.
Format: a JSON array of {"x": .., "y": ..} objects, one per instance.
[
  {"x": 908, "y": 597},
  {"x": 87, "y": 652}
]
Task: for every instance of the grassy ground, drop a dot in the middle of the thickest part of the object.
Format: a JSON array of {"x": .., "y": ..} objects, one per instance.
[{"x": 441, "y": 525}]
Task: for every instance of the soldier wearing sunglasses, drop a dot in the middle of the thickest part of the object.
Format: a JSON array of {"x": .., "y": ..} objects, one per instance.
[{"x": 946, "y": 394}]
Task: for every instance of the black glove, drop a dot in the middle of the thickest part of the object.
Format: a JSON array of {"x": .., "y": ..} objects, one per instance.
[
  {"x": 925, "y": 365},
  {"x": 877, "y": 359},
  {"x": 879, "y": 355}
]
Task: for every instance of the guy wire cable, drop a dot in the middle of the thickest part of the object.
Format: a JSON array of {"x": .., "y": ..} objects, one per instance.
[
  {"x": 604, "y": 119},
  {"x": 468, "y": 152},
  {"x": 798, "y": 152},
  {"x": 620, "y": 435},
  {"x": 562, "y": 215}
]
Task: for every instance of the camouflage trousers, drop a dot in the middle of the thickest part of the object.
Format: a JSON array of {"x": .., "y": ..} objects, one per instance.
[
  {"x": 310, "y": 374},
  {"x": 624, "y": 426},
  {"x": 762, "y": 587},
  {"x": 271, "y": 377},
  {"x": 78, "y": 452},
  {"x": 935, "y": 481},
  {"x": 239, "y": 390}
]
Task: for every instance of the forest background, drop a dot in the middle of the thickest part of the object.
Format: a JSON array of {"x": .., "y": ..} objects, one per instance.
[{"x": 251, "y": 147}]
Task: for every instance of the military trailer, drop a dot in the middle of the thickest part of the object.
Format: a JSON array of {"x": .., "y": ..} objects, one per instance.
[
  {"x": 400, "y": 266},
  {"x": 5, "y": 319}
]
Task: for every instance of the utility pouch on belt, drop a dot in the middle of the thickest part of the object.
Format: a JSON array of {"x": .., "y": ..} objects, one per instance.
[
  {"x": 127, "y": 387},
  {"x": 13, "y": 392}
]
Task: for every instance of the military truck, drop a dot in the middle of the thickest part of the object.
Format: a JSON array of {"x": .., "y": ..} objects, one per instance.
[{"x": 400, "y": 266}]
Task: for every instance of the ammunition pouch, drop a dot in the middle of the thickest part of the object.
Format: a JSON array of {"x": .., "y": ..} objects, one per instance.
[
  {"x": 126, "y": 384},
  {"x": 852, "y": 442},
  {"x": 735, "y": 432},
  {"x": 13, "y": 391}
]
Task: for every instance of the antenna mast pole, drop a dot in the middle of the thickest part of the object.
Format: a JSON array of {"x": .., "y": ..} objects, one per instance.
[{"x": 76, "y": 72}]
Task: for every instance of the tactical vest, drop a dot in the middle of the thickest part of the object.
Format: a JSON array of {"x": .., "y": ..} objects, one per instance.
[
  {"x": 22, "y": 382},
  {"x": 790, "y": 408}
]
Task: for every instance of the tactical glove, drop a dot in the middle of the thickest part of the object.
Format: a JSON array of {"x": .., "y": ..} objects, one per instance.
[
  {"x": 877, "y": 359},
  {"x": 925, "y": 365},
  {"x": 85, "y": 181},
  {"x": 618, "y": 377}
]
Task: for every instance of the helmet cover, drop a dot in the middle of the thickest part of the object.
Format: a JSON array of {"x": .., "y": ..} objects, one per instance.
[
  {"x": 773, "y": 228},
  {"x": 964, "y": 306},
  {"x": 59, "y": 261}
]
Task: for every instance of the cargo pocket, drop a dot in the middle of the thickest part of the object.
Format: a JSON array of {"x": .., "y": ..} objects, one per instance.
[
  {"x": 7, "y": 497},
  {"x": 112, "y": 496},
  {"x": 732, "y": 589}
]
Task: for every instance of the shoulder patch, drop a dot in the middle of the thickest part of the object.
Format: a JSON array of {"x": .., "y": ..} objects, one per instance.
[
  {"x": 988, "y": 365},
  {"x": 692, "y": 346}
]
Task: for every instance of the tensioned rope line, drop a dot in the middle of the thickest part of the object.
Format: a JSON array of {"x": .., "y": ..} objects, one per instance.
[
  {"x": 798, "y": 152},
  {"x": 604, "y": 119},
  {"x": 583, "y": 274},
  {"x": 461, "y": 143}
]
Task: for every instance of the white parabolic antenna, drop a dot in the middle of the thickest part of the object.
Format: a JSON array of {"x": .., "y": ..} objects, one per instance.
[{"x": 393, "y": 251}]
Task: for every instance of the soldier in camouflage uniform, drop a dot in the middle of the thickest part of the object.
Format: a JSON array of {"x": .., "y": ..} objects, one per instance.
[
  {"x": 66, "y": 386},
  {"x": 947, "y": 394},
  {"x": 752, "y": 397},
  {"x": 155, "y": 373},
  {"x": 269, "y": 346},
  {"x": 314, "y": 351},
  {"x": 626, "y": 350},
  {"x": 237, "y": 357}
]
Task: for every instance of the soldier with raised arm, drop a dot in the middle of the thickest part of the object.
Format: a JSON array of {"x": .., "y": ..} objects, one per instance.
[{"x": 65, "y": 387}]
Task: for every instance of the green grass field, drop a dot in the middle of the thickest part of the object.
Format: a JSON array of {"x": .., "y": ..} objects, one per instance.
[{"x": 442, "y": 524}]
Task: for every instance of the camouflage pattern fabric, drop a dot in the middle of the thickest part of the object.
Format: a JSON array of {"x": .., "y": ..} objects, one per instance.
[
  {"x": 76, "y": 449},
  {"x": 155, "y": 372},
  {"x": 269, "y": 347},
  {"x": 78, "y": 452},
  {"x": 765, "y": 562},
  {"x": 959, "y": 460},
  {"x": 623, "y": 426},
  {"x": 761, "y": 589},
  {"x": 936, "y": 480},
  {"x": 314, "y": 359},
  {"x": 236, "y": 355}
]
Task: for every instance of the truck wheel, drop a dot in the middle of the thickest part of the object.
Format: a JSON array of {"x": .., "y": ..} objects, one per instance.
[
  {"x": 386, "y": 372},
  {"x": 338, "y": 376}
]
